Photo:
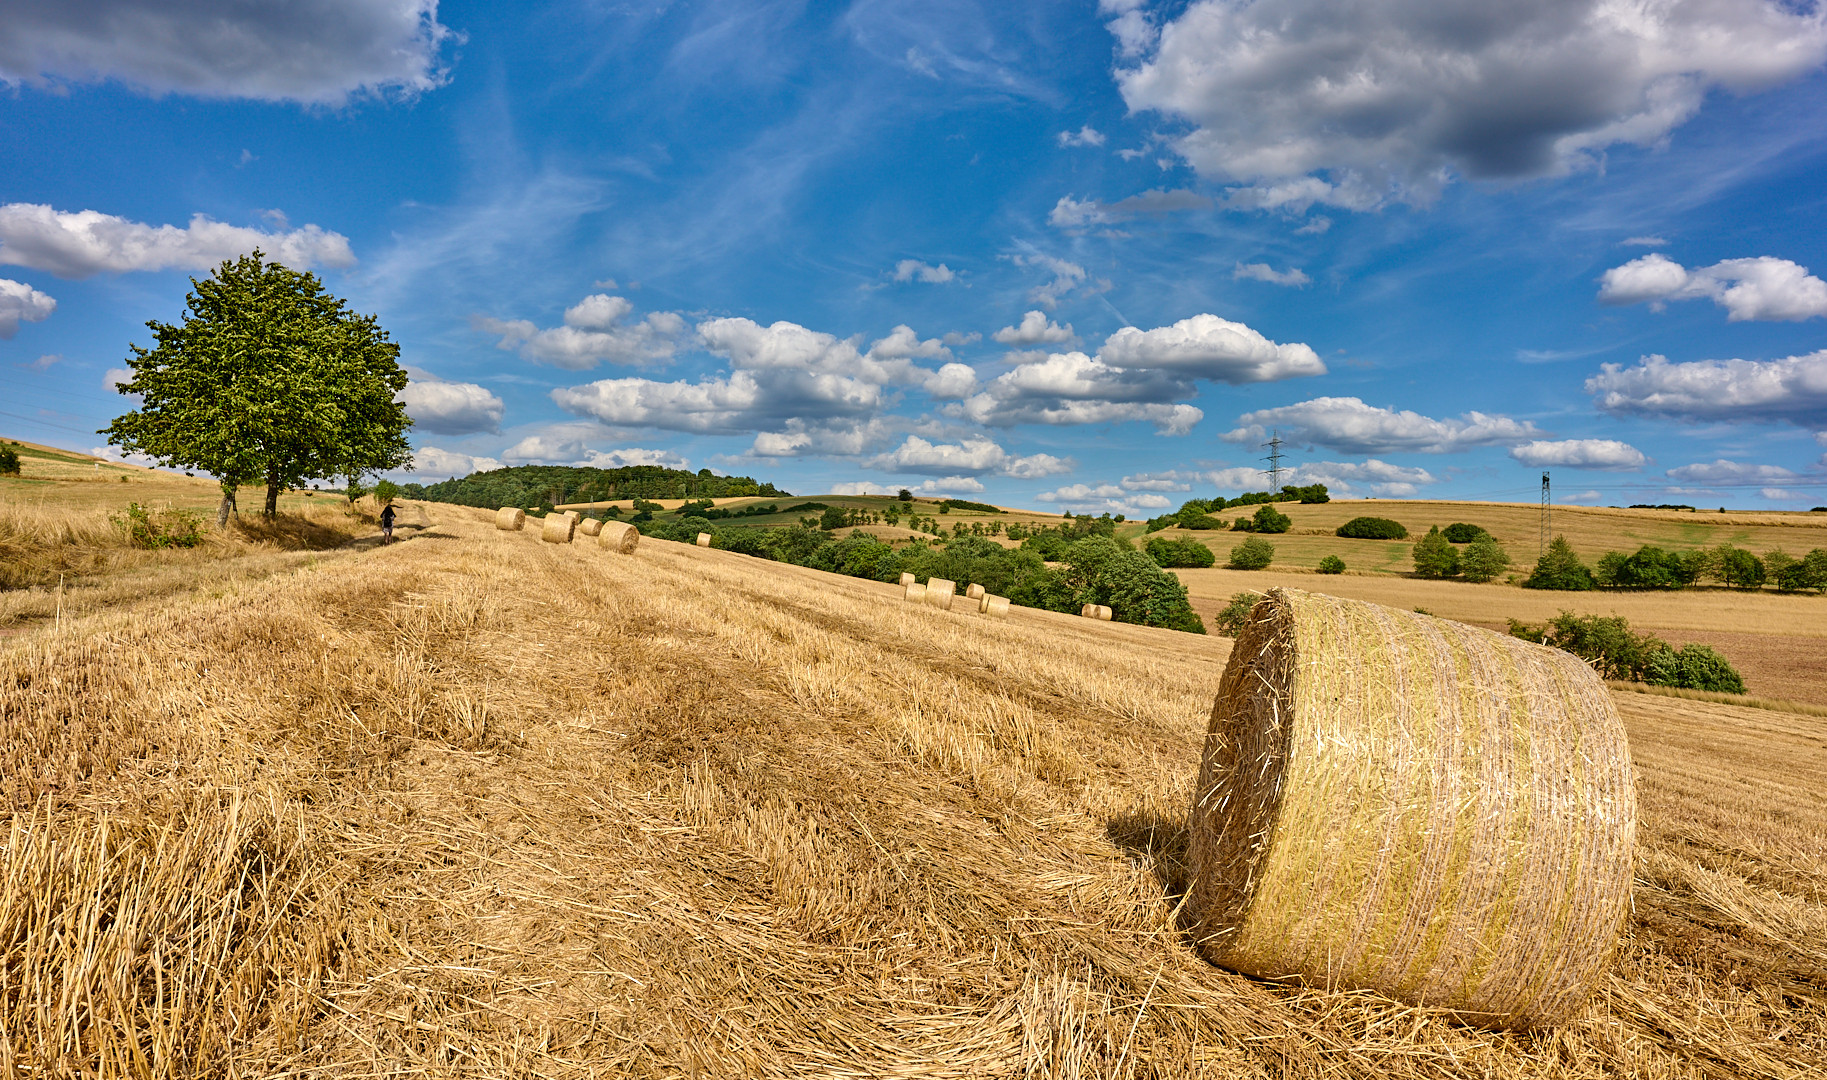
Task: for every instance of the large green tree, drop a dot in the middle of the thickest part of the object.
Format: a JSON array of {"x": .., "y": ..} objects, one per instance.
[{"x": 268, "y": 378}]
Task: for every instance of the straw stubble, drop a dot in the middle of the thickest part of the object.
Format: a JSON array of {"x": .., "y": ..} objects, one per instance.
[{"x": 1395, "y": 802}]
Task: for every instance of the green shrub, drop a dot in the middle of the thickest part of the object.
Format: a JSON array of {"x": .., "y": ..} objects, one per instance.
[
  {"x": 1738, "y": 567},
  {"x": 1230, "y": 621},
  {"x": 165, "y": 529},
  {"x": 1253, "y": 554},
  {"x": 1693, "y": 667},
  {"x": 9, "y": 461},
  {"x": 1185, "y": 552},
  {"x": 1808, "y": 572},
  {"x": 1560, "y": 568},
  {"x": 385, "y": 492},
  {"x": 354, "y": 491},
  {"x": 1270, "y": 520},
  {"x": 1332, "y": 564},
  {"x": 1617, "y": 652},
  {"x": 1435, "y": 557},
  {"x": 1461, "y": 533},
  {"x": 1483, "y": 559},
  {"x": 1104, "y": 571},
  {"x": 1372, "y": 528},
  {"x": 1650, "y": 568},
  {"x": 1200, "y": 521}
]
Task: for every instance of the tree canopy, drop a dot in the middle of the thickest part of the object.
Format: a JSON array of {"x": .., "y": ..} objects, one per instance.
[{"x": 267, "y": 378}]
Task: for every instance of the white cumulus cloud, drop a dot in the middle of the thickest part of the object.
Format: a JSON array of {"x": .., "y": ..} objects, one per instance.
[
  {"x": 1792, "y": 389},
  {"x": 1102, "y": 498},
  {"x": 1067, "y": 276},
  {"x": 1034, "y": 329},
  {"x": 594, "y": 331},
  {"x": 1382, "y": 99},
  {"x": 1349, "y": 425},
  {"x": 19, "y": 303},
  {"x": 1608, "y": 454},
  {"x": 310, "y": 51},
  {"x": 1725, "y": 473},
  {"x": 432, "y": 463},
  {"x": 1208, "y": 347},
  {"x": 915, "y": 270},
  {"x": 1293, "y": 276},
  {"x": 974, "y": 456},
  {"x": 1085, "y": 136},
  {"x": 1763, "y": 288},
  {"x": 82, "y": 243},
  {"x": 450, "y": 408}
]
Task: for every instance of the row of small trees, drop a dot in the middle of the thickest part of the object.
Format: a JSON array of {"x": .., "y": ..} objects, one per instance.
[{"x": 1651, "y": 567}]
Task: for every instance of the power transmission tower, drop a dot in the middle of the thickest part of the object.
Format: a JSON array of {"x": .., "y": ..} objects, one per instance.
[
  {"x": 1547, "y": 525},
  {"x": 1274, "y": 460}
]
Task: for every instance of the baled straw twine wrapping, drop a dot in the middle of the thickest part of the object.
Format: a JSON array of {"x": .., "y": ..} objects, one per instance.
[
  {"x": 996, "y": 607},
  {"x": 590, "y": 526},
  {"x": 704, "y": 539},
  {"x": 973, "y": 591},
  {"x": 906, "y": 578},
  {"x": 1396, "y": 802},
  {"x": 510, "y": 518},
  {"x": 557, "y": 529},
  {"x": 618, "y": 536},
  {"x": 939, "y": 592},
  {"x": 916, "y": 592}
]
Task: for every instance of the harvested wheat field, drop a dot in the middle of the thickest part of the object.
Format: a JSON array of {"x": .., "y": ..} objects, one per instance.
[{"x": 478, "y": 805}]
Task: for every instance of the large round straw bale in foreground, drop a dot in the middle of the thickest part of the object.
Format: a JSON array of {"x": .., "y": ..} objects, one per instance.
[
  {"x": 916, "y": 592},
  {"x": 996, "y": 607},
  {"x": 619, "y": 536},
  {"x": 510, "y": 518},
  {"x": 704, "y": 539},
  {"x": 939, "y": 592},
  {"x": 1426, "y": 809},
  {"x": 906, "y": 578},
  {"x": 973, "y": 591},
  {"x": 590, "y": 526},
  {"x": 557, "y": 529}
]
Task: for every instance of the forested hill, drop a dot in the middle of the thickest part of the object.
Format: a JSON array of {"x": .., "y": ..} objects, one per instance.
[{"x": 548, "y": 485}]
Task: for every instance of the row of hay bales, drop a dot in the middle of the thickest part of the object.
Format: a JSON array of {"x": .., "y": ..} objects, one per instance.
[
  {"x": 940, "y": 593},
  {"x": 562, "y": 528}
]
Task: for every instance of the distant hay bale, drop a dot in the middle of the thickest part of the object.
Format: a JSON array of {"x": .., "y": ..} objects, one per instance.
[
  {"x": 996, "y": 607},
  {"x": 939, "y": 592},
  {"x": 510, "y": 518},
  {"x": 906, "y": 578},
  {"x": 973, "y": 592},
  {"x": 557, "y": 529},
  {"x": 704, "y": 539},
  {"x": 1095, "y": 611},
  {"x": 590, "y": 526},
  {"x": 618, "y": 536},
  {"x": 1396, "y": 802},
  {"x": 574, "y": 515},
  {"x": 915, "y": 592},
  {"x": 1103, "y": 613}
]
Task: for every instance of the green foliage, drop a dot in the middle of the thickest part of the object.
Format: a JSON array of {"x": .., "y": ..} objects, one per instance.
[
  {"x": 1560, "y": 568},
  {"x": 949, "y": 505},
  {"x": 1738, "y": 567},
  {"x": 1200, "y": 521},
  {"x": 1650, "y": 568},
  {"x": 642, "y": 506},
  {"x": 1270, "y": 520},
  {"x": 1808, "y": 572},
  {"x": 1617, "y": 652},
  {"x": 1435, "y": 557},
  {"x": 1231, "y": 620},
  {"x": 1483, "y": 559},
  {"x": 904, "y": 495},
  {"x": 385, "y": 492},
  {"x": 1332, "y": 564},
  {"x": 146, "y": 528},
  {"x": 1372, "y": 528},
  {"x": 9, "y": 461},
  {"x": 354, "y": 490},
  {"x": 1461, "y": 533},
  {"x": 1254, "y": 553},
  {"x": 1103, "y": 571},
  {"x": 268, "y": 377},
  {"x": 1184, "y": 552},
  {"x": 528, "y": 485}
]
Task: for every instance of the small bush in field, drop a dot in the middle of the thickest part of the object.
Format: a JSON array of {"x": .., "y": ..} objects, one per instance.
[
  {"x": 1253, "y": 554},
  {"x": 168, "y": 529},
  {"x": 1236, "y": 613},
  {"x": 1461, "y": 533},
  {"x": 9, "y": 461},
  {"x": 1332, "y": 564},
  {"x": 1372, "y": 528}
]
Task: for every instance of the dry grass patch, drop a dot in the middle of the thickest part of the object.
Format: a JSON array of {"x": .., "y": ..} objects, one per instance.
[{"x": 535, "y": 812}]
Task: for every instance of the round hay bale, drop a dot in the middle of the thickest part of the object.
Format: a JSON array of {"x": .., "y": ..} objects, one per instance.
[
  {"x": 939, "y": 592},
  {"x": 510, "y": 519},
  {"x": 1102, "y": 614},
  {"x": 1087, "y": 611},
  {"x": 574, "y": 515},
  {"x": 996, "y": 607},
  {"x": 704, "y": 539},
  {"x": 1396, "y": 802},
  {"x": 557, "y": 529},
  {"x": 973, "y": 591},
  {"x": 618, "y": 536},
  {"x": 590, "y": 526},
  {"x": 906, "y": 578},
  {"x": 916, "y": 592}
]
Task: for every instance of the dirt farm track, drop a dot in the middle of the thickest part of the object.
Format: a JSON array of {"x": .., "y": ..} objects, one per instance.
[{"x": 476, "y": 805}]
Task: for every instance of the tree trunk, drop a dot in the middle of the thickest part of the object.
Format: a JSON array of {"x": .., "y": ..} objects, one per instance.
[
  {"x": 228, "y": 504},
  {"x": 272, "y": 493}
]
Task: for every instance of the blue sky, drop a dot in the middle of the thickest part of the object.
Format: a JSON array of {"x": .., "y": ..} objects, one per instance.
[{"x": 1084, "y": 256}]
